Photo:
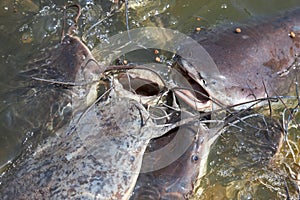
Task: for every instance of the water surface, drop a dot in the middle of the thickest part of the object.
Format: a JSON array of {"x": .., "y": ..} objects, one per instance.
[{"x": 31, "y": 25}]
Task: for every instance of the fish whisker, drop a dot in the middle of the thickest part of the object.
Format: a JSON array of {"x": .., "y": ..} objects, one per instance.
[{"x": 73, "y": 128}]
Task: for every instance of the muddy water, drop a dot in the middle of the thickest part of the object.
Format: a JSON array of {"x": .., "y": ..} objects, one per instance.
[{"x": 28, "y": 26}]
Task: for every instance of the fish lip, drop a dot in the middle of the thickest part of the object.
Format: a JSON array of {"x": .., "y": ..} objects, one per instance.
[
  {"x": 198, "y": 100},
  {"x": 191, "y": 98},
  {"x": 130, "y": 82},
  {"x": 140, "y": 85}
]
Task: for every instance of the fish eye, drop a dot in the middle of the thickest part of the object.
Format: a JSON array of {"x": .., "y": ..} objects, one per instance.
[{"x": 195, "y": 158}]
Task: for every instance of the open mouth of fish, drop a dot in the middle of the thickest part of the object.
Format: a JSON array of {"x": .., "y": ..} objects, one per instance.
[
  {"x": 197, "y": 97},
  {"x": 147, "y": 86},
  {"x": 121, "y": 121},
  {"x": 133, "y": 106}
]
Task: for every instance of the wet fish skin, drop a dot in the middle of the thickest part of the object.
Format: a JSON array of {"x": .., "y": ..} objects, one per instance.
[
  {"x": 263, "y": 53},
  {"x": 244, "y": 59},
  {"x": 68, "y": 166},
  {"x": 172, "y": 181},
  {"x": 176, "y": 181},
  {"x": 68, "y": 63},
  {"x": 100, "y": 159},
  {"x": 72, "y": 47},
  {"x": 61, "y": 167},
  {"x": 34, "y": 104},
  {"x": 61, "y": 62}
]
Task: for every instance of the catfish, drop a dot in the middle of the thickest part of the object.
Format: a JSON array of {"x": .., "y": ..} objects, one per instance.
[{"x": 255, "y": 63}]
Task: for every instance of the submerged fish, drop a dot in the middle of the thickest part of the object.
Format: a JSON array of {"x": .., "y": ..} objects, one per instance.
[
  {"x": 243, "y": 75},
  {"x": 39, "y": 107},
  {"x": 98, "y": 155},
  {"x": 99, "y": 158},
  {"x": 260, "y": 61},
  {"x": 257, "y": 140},
  {"x": 177, "y": 179},
  {"x": 246, "y": 162}
]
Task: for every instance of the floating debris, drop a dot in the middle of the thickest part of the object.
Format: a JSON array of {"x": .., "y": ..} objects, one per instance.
[
  {"x": 292, "y": 34},
  {"x": 238, "y": 30}
]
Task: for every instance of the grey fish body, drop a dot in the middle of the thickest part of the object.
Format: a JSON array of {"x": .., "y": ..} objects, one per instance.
[
  {"x": 101, "y": 159},
  {"x": 71, "y": 166},
  {"x": 66, "y": 64},
  {"x": 33, "y": 108},
  {"x": 99, "y": 154}
]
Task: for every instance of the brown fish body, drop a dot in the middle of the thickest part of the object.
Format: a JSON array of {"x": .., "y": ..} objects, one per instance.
[
  {"x": 173, "y": 181},
  {"x": 260, "y": 54},
  {"x": 177, "y": 179}
]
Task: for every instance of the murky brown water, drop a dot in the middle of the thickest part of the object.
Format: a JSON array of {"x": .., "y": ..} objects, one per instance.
[{"x": 28, "y": 26}]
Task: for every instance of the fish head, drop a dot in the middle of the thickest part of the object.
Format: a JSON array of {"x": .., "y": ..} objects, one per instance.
[
  {"x": 75, "y": 62},
  {"x": 180, "y": 159},
  {"x": 260, "y": 62}
]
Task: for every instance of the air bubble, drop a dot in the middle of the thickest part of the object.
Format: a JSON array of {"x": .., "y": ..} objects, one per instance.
[{"x": 224, "y": 6}]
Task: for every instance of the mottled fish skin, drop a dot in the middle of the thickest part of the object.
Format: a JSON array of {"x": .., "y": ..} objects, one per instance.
[
  {"x": 263, "y": 53},
  {"x": 99, "y": 154},
  {"x": 68, "y": 63},
  {"x": 100, "y": 159}
]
